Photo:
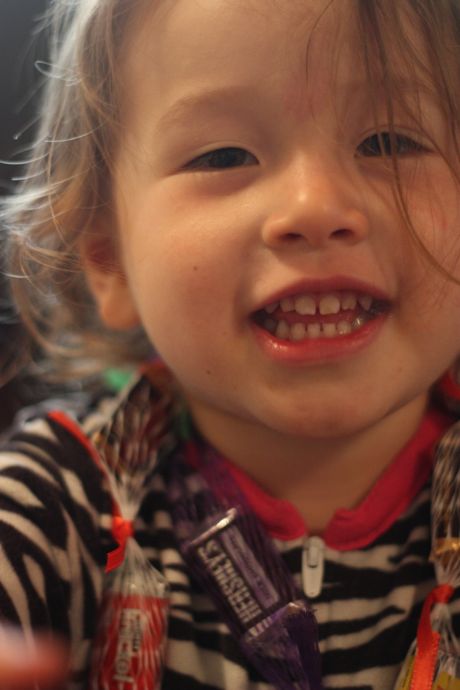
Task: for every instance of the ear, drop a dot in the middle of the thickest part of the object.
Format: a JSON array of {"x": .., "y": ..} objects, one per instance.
[{"x": 107, "y": 281}]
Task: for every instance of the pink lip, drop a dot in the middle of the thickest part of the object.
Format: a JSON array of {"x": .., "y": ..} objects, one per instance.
[{"x": 325, "y": 285}]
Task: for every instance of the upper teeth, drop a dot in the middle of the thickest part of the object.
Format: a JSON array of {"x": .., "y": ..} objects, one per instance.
[{"x": 333, "y": 303}]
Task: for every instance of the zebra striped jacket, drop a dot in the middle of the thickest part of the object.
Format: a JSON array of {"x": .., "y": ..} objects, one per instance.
[{"x": 367, "y": 575}]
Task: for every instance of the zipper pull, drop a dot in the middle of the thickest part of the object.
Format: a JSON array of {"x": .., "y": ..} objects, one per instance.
[{"x": 313, "y": 566}]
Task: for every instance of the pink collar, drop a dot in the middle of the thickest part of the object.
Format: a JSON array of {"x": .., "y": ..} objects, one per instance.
[{"x": 387, "y": 500}]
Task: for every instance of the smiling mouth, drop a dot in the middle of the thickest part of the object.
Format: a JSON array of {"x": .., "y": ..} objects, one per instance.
[{"x": 311, "y": 316}]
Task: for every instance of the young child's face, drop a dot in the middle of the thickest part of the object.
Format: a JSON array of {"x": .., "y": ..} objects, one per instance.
[{"x": 249, "y": 174}]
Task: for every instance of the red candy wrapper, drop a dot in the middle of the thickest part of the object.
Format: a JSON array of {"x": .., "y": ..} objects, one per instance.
[
  {"x": 131, "y": 640},
  {"x": 130, "y": 643}
]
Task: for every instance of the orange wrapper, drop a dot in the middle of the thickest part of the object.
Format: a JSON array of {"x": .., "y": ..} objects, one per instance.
[{"x": 433, "y": 662}]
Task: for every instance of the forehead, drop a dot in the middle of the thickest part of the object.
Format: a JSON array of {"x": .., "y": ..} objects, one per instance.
[
  {"x": 300, "y": 53},
  {"x": 184, "y": 43},
  {"x": 217, "y": 25}
]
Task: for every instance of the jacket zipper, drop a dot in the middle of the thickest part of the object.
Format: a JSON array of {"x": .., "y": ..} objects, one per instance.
[{"x": 313, "y": 566}]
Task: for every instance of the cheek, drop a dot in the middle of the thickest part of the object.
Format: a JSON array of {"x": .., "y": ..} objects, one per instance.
[
  {"x": 193, "y": 257},
  {"x": 180, "y": 285},
  {"x": 434, "y": 209}
]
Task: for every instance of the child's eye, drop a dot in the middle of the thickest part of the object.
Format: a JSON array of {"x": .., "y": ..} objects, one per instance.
[
  {"x": 382, "y": 145},
  {"x": 222, "y": 159}
]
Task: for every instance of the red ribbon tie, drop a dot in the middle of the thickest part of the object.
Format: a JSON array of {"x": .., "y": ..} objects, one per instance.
[
  {"x": 428, "y": 640},
  {"x": 122, "y": 530}
]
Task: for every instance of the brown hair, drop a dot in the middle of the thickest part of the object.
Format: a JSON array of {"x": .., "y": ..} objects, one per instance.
[
  {"x": 432, "y": 62},
  {"x": 71, "y": 160},
  {"x": 66, "y": 185}
]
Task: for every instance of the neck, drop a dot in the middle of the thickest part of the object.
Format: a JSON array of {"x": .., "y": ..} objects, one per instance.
[{"x": 318, "y": 476}]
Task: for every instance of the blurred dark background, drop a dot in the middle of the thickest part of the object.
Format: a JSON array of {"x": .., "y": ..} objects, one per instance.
[{"x": 20, "y": 49}]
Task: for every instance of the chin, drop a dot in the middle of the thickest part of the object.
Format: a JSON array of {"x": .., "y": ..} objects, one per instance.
[{"x": 319, "y": 424}]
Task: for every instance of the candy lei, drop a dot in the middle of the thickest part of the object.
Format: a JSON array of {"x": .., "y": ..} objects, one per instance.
[{"x": 434, "y": 659}]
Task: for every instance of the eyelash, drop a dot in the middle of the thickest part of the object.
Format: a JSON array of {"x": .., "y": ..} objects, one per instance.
[
  {"x": 222, "y": 159},
  {"x": 230, "y": 157},
  {"x": 402, "y": 145}
]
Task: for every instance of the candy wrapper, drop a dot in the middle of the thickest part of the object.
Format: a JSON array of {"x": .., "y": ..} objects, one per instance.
[
  {"x": 433, "y": 662},
  {"x": 130, "y": 642},
  {"x": 229, "y": 553}
]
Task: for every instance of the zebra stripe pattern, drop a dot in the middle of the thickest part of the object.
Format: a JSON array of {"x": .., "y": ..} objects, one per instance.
[{"x": 55, "y": 519}]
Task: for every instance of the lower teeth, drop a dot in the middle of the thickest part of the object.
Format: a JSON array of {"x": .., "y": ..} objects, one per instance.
[{"x": 299, "y": 331}]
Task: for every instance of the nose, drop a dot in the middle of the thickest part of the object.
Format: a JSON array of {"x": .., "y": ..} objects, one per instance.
[{"x": 315, "y": 205}]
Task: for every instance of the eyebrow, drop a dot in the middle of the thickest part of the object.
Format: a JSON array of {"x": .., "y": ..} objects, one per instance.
[
  {"x": 218, "y": 98},
  {"x": 212, "y": 98}
]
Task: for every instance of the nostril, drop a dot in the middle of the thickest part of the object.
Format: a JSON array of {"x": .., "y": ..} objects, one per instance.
[
  {"x": 341, "y": 234},
  {"x": 292, "y": 236}
]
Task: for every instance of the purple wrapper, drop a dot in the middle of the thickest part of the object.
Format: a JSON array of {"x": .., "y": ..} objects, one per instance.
[
  {"x": 281, "y": 647},
  {"x": 277, "y": 634},
  {"x": 222, "y": 557}
]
